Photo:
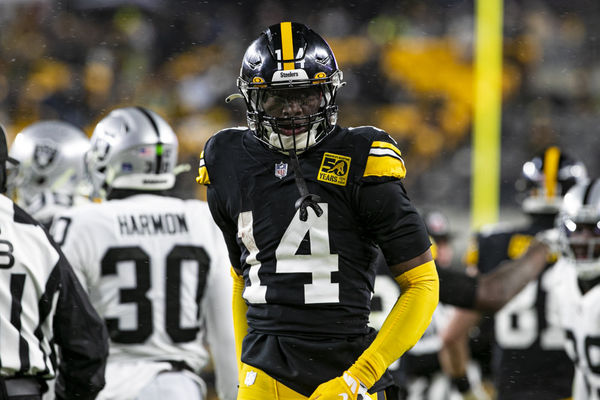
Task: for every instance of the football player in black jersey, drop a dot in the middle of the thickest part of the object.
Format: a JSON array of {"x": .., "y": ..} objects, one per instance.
[
  {"x": 304, "y": 206},
  {"x": 525, "y": 341}
]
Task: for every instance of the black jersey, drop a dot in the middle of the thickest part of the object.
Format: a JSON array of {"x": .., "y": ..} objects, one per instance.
[
  {"x": 42, "y": 305},
  {"x": 529, "y": 359},
  {"x": 309, "y": 283}
]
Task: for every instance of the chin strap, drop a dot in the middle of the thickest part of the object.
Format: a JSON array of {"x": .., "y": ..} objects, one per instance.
[{"x": 306, "y": 199}]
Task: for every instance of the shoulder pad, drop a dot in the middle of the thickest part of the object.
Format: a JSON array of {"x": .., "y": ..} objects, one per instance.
[
  {"x": 384, "y": 159},
  {"x": 379, "y": 153},
  {"x": 221, "y": 138}
]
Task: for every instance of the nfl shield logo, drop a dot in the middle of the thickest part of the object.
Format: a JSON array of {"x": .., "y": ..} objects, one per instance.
[
  {"x": 250, "y": 378},
  {"x": 281, "y": 170}
]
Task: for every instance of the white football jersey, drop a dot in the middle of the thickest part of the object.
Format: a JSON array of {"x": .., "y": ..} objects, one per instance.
[
  {"x": 579, "y": 314},
  {"x": 157, "y": 270}
]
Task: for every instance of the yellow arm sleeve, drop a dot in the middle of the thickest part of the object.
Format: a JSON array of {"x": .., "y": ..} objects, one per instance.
[
  {"x": 404, "y": 325},
  {"x": 240, "y": 308}
]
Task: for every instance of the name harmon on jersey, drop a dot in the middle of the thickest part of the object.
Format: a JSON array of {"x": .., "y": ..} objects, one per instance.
[{"x": 152, "y": 224}]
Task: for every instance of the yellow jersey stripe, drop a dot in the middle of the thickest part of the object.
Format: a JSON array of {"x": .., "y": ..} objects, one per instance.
[
  {"x": 386, "y": 145},
  {"x": 385, "y": 166},
  {"x": 202, "y": 177},
  {"x": 287, "y": 45},
  {"x": 551, "y": 159}
]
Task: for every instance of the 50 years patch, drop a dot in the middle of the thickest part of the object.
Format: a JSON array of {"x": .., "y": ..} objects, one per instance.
[{"x": 334, "y": 169}]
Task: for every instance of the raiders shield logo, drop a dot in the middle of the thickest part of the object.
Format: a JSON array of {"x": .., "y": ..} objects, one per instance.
[{"x": 44, "y": 155}]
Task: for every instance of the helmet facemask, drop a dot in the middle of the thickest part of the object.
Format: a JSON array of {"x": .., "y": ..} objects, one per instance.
[{"x": 292, "y": 116}]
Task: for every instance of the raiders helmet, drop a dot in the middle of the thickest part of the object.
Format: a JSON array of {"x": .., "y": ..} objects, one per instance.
[
  {"x": 51, "y": 155},
  {"x": 132, "y": 148},
  {"x": 546, "y": 178},
  {"x": 289, "y": 79},
  {"x": 580, "y": 228}
]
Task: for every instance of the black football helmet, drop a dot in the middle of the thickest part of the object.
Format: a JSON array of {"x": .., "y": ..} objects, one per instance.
[
  {"x": 579, "y": 228},
  {"x": 546, "y": 178},
  {"x": 289, "y": 79}
]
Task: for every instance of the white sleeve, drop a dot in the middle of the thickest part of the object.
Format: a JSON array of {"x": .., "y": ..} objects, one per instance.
[{"x": 219, "y": 319}]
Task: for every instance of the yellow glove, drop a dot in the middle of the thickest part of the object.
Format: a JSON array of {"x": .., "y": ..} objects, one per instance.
[{"x": 345, "y": 387}]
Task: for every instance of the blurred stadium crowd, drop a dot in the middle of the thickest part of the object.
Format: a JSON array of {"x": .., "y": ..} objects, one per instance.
[{"x": 77, "y": 59}]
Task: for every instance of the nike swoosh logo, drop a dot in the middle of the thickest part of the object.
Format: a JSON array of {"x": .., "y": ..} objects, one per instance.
[{"x": 344, "y": 396}]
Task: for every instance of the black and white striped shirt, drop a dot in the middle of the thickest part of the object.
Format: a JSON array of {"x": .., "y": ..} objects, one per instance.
[{"x": 42, "y": 304}]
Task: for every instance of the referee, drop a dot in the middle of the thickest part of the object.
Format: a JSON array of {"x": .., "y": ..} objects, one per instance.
[{"x": 42, "y": 305}]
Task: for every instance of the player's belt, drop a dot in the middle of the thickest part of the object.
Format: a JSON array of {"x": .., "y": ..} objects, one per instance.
[{"x": 14, "y": 387}]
